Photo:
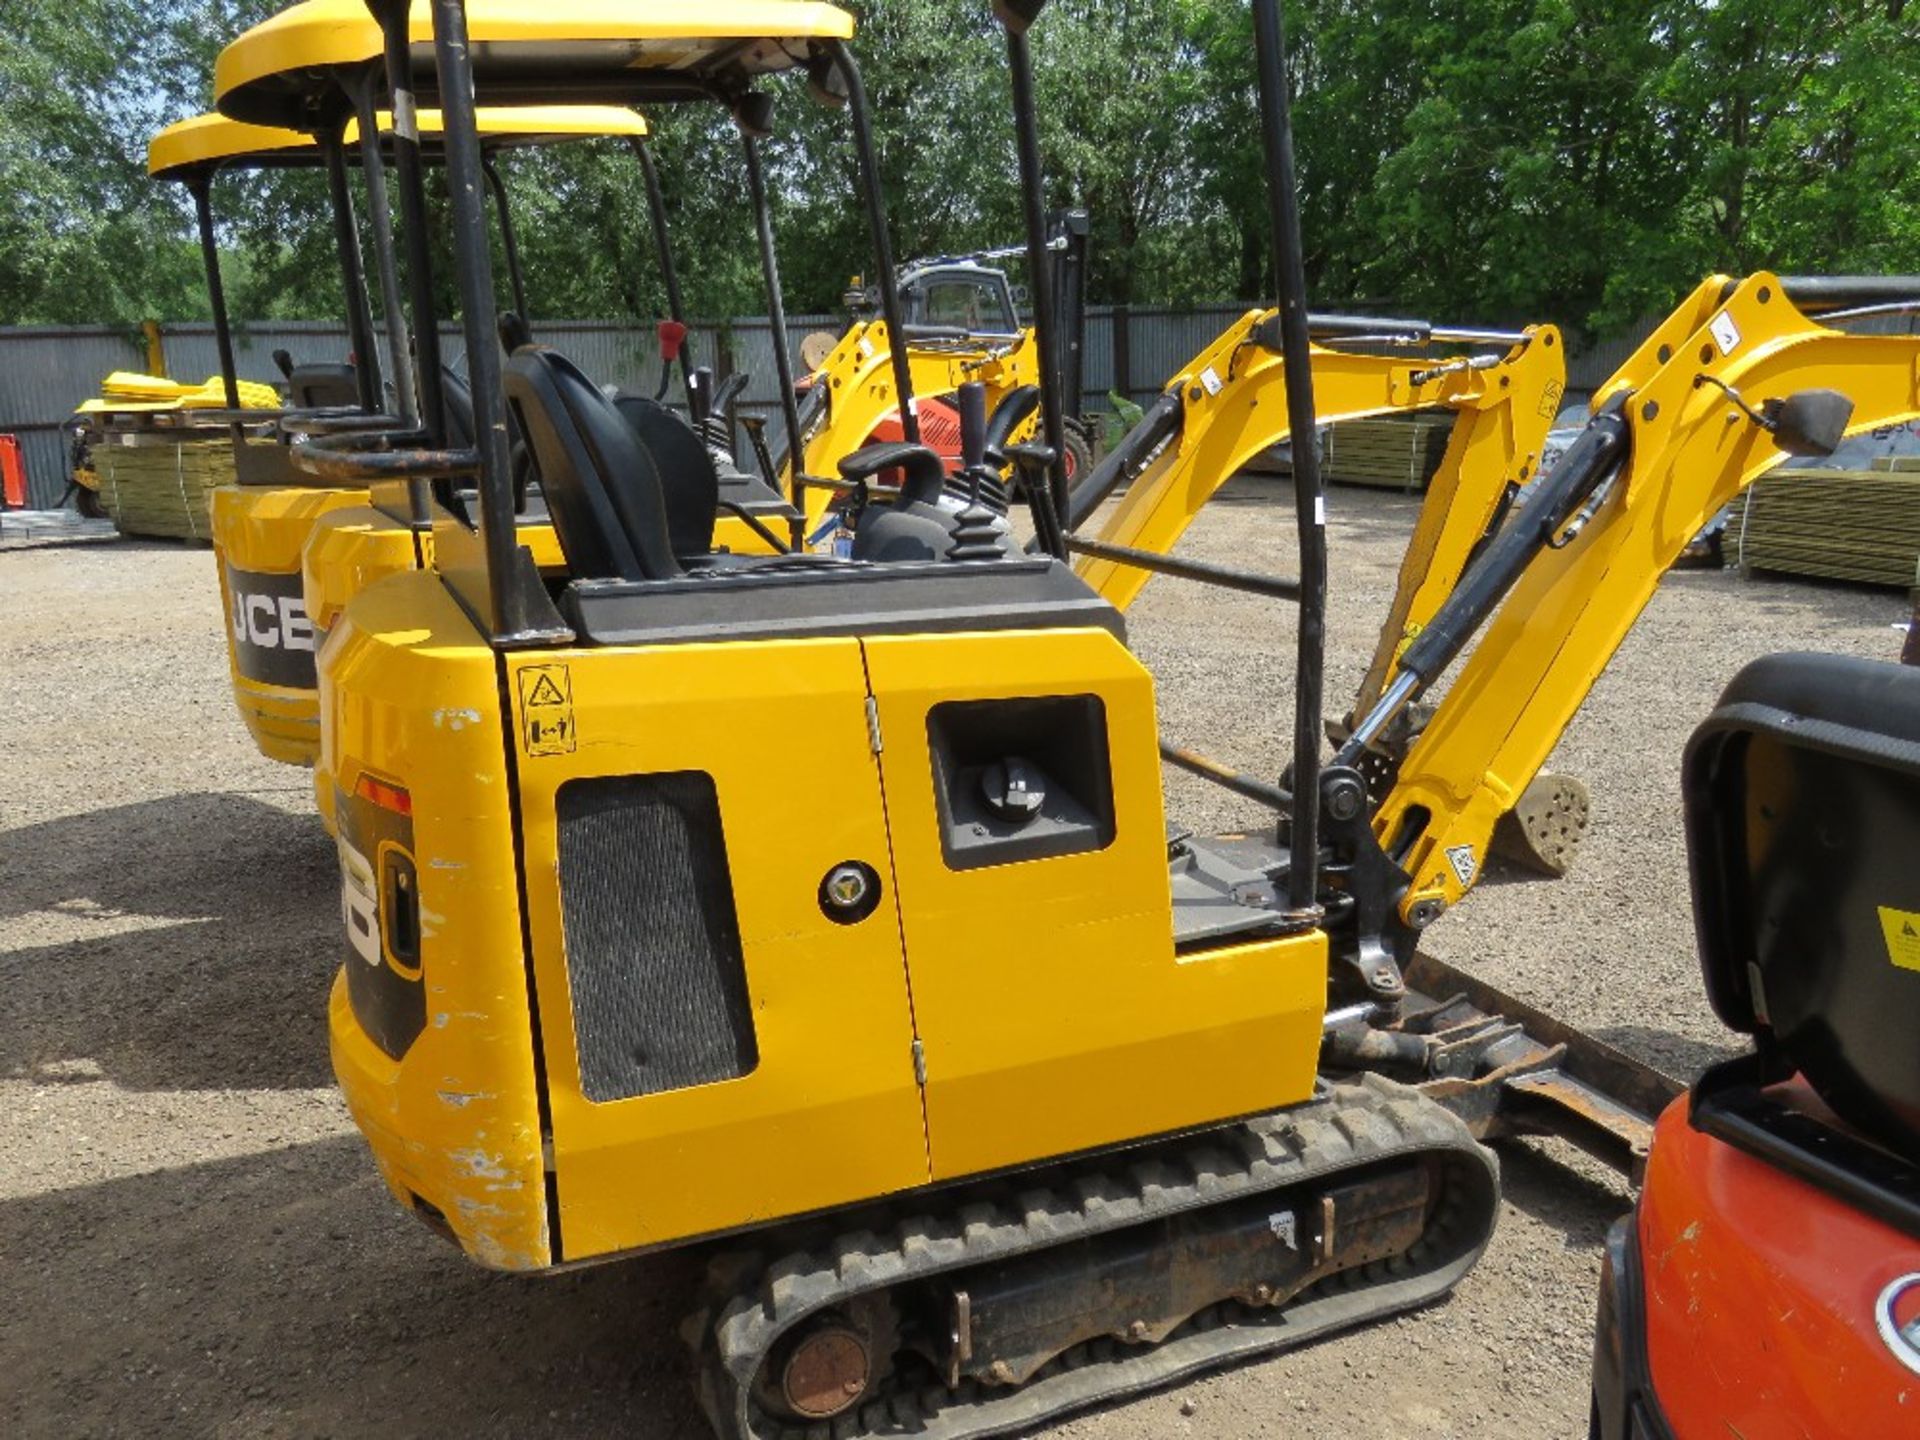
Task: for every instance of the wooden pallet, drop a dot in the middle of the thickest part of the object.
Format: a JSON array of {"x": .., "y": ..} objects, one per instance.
[
  {"x": 156, "y": 484},
  {"x": 1397, "y": 452},
  {"x": 1856, "y": 525}
]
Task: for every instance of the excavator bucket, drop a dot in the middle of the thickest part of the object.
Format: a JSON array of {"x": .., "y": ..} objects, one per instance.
[{"x": 1543, "y": 830}]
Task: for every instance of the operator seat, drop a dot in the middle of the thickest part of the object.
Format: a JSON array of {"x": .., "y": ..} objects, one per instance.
[
  {"x": 318, "y": 386},
  {"x": 603, "y": 488},
  {"x": 457, "y": 404},
  {"x": 691, "y": 488}
]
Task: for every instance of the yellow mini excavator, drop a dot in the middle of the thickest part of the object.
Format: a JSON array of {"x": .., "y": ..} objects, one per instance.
[
  {"x": 962, "y": 322},
  {"x": 992, "y": 1095},
  {"x": 262, "y": 522}
]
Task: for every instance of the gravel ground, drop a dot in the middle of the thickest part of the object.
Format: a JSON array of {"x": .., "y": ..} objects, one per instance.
[{"x": 194, "y": 1242}]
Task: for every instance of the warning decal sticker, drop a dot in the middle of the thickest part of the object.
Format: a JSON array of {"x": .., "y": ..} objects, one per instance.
[
  {"x": 1462, "y": 858},
  {"x": 1902, "y": 929},
  {"x": 546, "y": 710}
]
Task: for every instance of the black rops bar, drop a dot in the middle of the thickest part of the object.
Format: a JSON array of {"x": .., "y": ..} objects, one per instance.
[
  {"x": 474, "y": 266},
  {"x": 201, "y": 185},
  {"x": 373, "y": 175},
  {"x": 1039, "y": 269},
  {"x": 346, "y": 235},
  {"x": 663, "y": 246},
  {"x": 777, "y": 332},
  {"x": 1283, "y": 203},
  {"x": 393, "y": 18},
  {"x": 509, "y": 238},
  {"x": 844, "y": 62}
]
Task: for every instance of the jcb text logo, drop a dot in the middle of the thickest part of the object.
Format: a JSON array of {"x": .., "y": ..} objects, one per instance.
[{"x": 271, "y": 637}]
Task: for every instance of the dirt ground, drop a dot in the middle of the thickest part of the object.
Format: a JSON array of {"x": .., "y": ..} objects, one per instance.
[{"x": 192, "y": 1239}]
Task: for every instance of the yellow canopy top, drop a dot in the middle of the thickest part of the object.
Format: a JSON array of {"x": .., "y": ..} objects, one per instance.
[
  {"x": 209, "y": 141},
  {"x": 274, "y": 74}
]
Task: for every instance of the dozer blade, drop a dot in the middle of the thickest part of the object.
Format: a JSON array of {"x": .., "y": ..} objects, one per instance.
[
  {"x": 1544, "y": 828},
  {"x": 1506, "y": 1068}
]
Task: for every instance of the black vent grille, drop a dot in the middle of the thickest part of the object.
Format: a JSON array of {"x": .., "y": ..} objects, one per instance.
[{"x": 653, "y": 947}]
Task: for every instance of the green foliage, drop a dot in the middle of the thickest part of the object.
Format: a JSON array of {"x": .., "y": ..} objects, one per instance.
[
  {"x": 1120, "y": 416},
  {"x": 1485, "y": 160}
]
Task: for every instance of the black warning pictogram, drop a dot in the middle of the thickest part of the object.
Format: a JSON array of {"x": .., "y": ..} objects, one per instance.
[{"x": 546, "y": 710}]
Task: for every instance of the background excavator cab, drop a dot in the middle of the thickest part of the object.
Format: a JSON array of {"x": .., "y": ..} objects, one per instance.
[{"x": 1779, "y": 1227}]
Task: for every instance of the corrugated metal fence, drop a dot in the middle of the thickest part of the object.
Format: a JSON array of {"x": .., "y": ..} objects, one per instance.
[{"x": 46, "y": 371}]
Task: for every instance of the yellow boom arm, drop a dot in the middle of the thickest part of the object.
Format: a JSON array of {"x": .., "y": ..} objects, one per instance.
[
  {"x": 1689, "y": 451},
  {"x": 1232, "y": 408}
]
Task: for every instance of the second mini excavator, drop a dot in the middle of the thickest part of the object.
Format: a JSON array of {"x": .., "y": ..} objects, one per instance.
[{"x": 993, "y": 1097}]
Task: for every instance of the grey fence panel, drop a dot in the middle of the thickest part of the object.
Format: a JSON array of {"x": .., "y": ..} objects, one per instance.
[{"x": 44, "y": 372}]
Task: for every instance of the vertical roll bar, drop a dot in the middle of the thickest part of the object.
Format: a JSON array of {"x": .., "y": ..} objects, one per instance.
[
  {"x": 366, "y": 364},
  {"x": 777, "y": 321},
  {"x": 394, "y": 28},
  {"x": 663, "y": 247},
  {"x": 509, "y": 242},
  {"x": 1283, "y": 203},
  {"x": 882, "y": 245},
  {"x": 201, "y": 185},
  {"x": 474, "y": 266},
  {"x": 373, "y": 172},
  {"x": 1039, "y": 268}
]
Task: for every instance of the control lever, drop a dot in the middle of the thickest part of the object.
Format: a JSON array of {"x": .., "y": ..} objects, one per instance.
[
  {"x": 673, "y": 335},
  {"x": 973, "y": 426},
  {"x": 756, "y": 428},
  {"x": 699, "y": 396},
  {"x": 1033, "y": 463}
]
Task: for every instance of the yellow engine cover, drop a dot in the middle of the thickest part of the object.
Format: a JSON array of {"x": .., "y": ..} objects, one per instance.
[
  {"x": 258, "y": 536},
  {"x": 972, "y": 1009}
]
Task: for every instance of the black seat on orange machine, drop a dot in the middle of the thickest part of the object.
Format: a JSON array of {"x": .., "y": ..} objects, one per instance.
[
  {"x": 603, "y": 487},
  {"x": 1803, "y": 811}
]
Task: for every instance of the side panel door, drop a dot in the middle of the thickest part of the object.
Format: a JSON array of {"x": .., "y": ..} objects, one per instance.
[
  {"x": 1054, "y": 1012},
  {"x": 718, "y": 1051}
]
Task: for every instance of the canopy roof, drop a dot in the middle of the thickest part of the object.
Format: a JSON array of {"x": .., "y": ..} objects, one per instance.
[
  {"x": 207, "y": 142},
  {"x": 598, "y": 50}
]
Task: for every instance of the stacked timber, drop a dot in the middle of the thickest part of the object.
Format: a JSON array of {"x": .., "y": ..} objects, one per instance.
[
  {"x": 156, "y": 483},
  {"x": 156, "y": 459},
  {"x": 1395, "y": 452},
  {"x": 1857, "y": 525}
]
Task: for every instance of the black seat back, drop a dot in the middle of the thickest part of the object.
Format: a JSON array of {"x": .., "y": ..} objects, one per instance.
[
  {"x": 322, "y": 387},
  {"x": 457, "y": 403},
  {"x": 602, "y": 487},
  {"x": 1803, "y": 821},
  {"x": 690, "y": 484}
]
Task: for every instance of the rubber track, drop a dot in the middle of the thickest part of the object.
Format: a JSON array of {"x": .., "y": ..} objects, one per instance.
[{"x": 1359, "y": 1123}]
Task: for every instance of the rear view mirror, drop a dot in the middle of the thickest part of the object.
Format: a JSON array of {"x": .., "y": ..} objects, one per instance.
[
  {"x": 1809, "y": 422},
  {"x": 1017, "y": 15},
  {"x": 753, "y": 112}
]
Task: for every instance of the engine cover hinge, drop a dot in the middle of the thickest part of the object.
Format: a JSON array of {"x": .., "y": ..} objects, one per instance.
[
  {"x": 919, "y": 1063},
  {"x": 873, "y": 724}
]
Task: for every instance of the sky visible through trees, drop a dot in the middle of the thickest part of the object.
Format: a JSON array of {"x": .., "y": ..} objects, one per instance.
[{"x": 1580, "y": 161}]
